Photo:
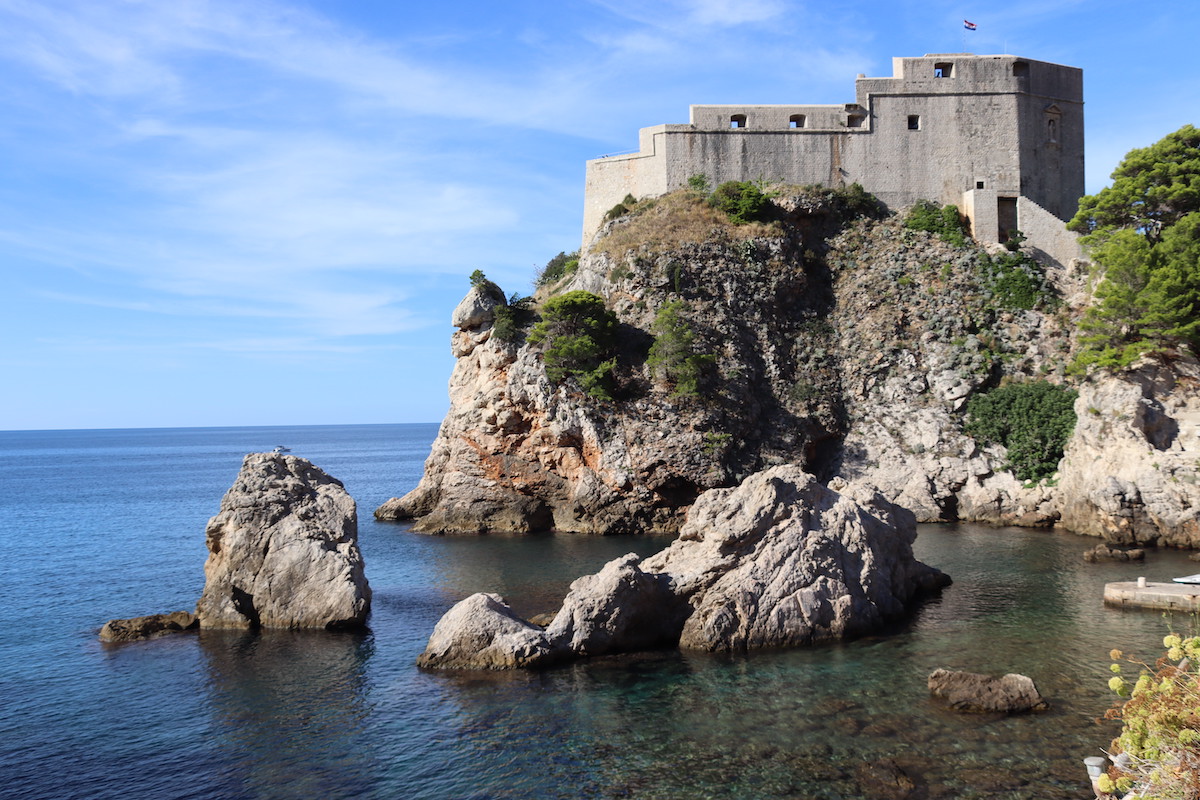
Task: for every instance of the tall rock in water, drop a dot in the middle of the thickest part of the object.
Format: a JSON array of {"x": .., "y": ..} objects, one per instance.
[
  {"x": 1130, "y": 469},
  {"x": 779, "y": 561},
  {"x": 283, "y": 551}
]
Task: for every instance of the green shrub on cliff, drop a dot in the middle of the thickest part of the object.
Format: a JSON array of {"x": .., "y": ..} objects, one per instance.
[
  {"x": 579, "y": 334},
  {"x": 742, "y": 201},
  {"x": 1143, "y": 231},
  {"x": 1016, "y": 281},
  {"x": 1031, "y": 420},
  {"x": 561, "y": 265},
  {"x": 1159, "y": 745},
  {"x": 672, "y": 356},
  {"x": 512, "y": 319},
  {"x": 945, "y": 221}
]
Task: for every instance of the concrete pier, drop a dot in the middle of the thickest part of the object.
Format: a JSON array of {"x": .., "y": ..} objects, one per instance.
[{"x": 1164, "y": 596}]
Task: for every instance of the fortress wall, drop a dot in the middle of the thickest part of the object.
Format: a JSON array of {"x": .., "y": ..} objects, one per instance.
[
  {"x": 772, "y": 117},
  {"x": 642, "y": 174},
  {"x": 1046, "y": 235},
  {"x": 943, "y": 125}
]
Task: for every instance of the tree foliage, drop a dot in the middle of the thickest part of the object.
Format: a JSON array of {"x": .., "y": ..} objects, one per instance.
[
  {"x": 1031, "y": 420},
  {"x": 1158, "y": 751},
  {"x": 579, "y": 334},
  {"x": 1153, "y": 188},
  {"x": 1144, "y": 233},
  {"x": 672, "y": 356}
]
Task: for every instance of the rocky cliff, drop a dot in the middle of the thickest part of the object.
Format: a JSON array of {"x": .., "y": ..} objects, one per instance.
[{"x": 836, "y": 340}]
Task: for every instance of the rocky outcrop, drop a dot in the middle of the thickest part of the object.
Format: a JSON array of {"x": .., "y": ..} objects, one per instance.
[
  {"x": 283, "y": 551},
  {"x": 849, "y": 346},
  {"x": 780, "y": 561},
  {"x": 619, "y": 609},
  {"x": 975, "y": 693},
  {"x": 1104, "y": 553},
  {"x": 1130, "y": 470},
  {"x": 149, "y": 627}
]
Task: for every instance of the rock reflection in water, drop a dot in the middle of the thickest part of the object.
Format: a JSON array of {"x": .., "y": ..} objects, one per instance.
[{"x": 290, "y": 708}]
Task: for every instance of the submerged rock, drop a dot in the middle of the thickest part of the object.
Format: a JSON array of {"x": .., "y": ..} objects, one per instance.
[
  {"x": 1104, "y": 553},
  {"x": 283, "y": 551},
  {"x": 148, "y": 627},
  {"x": 972, "y": 692},
  {"x": 779, "y": 561}
]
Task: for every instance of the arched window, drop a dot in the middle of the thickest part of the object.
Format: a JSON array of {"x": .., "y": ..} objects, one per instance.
[{"x": 796, "y": 121}]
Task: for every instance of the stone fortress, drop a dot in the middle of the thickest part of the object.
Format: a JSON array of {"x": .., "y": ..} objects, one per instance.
[{"x": 999, "y": 136}]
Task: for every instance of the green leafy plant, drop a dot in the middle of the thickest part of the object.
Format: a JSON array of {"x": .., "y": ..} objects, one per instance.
[
  {"x": 1157, "y": 753},
  {"x": 512, "y": 319},
  {"x": 579, "y": 334},
  {"x": 742, "y": 202},
  {"x": 672, "y": 356},
  {"x": 1016, "y": 281},
  {"x": 1031, "y": 420},
  {"x": 945, "y": 221},
  {"x": 557, "y": 268},
  {"x": 699, "y": 183}
]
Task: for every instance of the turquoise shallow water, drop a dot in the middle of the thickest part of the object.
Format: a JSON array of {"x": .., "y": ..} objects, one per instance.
[{"x": 101, "y": 524}]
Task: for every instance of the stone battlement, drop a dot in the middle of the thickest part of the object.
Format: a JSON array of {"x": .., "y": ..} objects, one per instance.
[{"x": 977, "y": 131}]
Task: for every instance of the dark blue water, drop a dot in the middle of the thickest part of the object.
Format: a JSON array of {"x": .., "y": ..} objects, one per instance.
[{"x": 102, "y": 524}]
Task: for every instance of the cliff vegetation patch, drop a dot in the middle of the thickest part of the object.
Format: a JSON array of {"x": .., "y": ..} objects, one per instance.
[
  {"x": 945, "y": 221},
  {"x": 579, "y": 334},
  {"x": 1031, "y": 420}
]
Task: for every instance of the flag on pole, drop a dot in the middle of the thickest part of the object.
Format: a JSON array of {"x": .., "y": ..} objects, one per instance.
[{"x": 968, "y": 25}]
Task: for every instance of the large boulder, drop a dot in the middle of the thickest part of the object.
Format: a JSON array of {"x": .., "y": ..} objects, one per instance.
[
  {"x": 783, "y": 560},
  {"x": 975, "y": 693},
  {"x": 283, "y": 551},
  {"x": 779, "y": 561},
  {"x": 619, "y": 609}
]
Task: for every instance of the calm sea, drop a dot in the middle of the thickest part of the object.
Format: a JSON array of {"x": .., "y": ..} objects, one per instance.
[{"x": 102, "y": 524}]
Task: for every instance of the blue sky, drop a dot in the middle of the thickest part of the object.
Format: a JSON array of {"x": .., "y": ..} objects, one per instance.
[{"x": 249, "y": 212}]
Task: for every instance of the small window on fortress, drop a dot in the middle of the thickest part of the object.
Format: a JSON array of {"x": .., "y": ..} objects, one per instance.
[
  {"x": 1020, "y": 69},
  {"x": 796, "y": 121},
  {"x": 914, "y": 122},
  {"x": 943, "y": 69},
  {"x": 978, "y": 184},
  {"x": 737, "y": 121},
  {"x": 854, "y": 121},
  {"x": 1052, "y": 129}
]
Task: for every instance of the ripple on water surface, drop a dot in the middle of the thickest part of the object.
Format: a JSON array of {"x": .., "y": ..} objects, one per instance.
[{"x": 119, "y": 520}]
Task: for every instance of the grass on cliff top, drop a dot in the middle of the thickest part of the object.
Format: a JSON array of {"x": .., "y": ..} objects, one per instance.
[{"x": 675, "y": 219}]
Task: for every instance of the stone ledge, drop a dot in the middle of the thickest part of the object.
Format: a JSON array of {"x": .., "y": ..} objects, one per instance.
[{"x": 1164, "y": 596}]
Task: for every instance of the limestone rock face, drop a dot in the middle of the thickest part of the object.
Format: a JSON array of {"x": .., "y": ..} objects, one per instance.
[
  {"x": 780, "y": 561},
  {"x": 1130, "y": 470},
  {"x": 283, "y": 551},
  {"x": 972, "y": 692},
  {"x": 149, "y": 627},
  {"x": 848, "y": 349}
]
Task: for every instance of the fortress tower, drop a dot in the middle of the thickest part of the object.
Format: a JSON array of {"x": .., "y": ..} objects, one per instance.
[{"x": 998, "y": 135}]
